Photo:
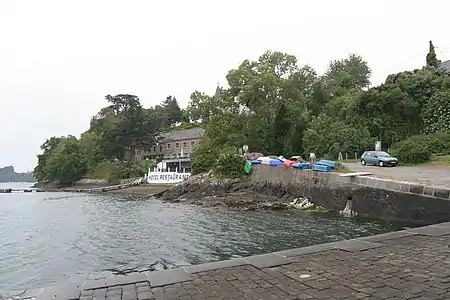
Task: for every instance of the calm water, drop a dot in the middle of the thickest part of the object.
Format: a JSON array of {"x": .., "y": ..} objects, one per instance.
[{"x": 47, "y": 238}]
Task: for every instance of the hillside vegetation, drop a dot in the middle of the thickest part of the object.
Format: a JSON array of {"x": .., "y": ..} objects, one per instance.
[
  {"x": 107, "y": 149},
  {"x": 278, "y": 107},
  {"x": 275, "y": 106}
]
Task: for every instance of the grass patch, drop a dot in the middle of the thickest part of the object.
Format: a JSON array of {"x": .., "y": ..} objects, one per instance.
[
  {"x": 349, "y": 161},
  {"x": 343, "y": 170},
  {"x": 318, "y": 209},
  {"x": 441, "y": 160}
]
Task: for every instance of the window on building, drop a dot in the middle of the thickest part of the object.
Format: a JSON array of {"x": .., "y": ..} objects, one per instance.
[
  {"x": 168, "y": 146},
  {"x": 177, "y": 145},
  {"x": 184, "y": 144},
  {"x": 160, "y": 148},
  {"x": 154, "y": 148},
  {"x": 192, "y": 143}
]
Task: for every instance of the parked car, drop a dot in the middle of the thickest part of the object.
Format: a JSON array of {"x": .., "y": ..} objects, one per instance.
[
  {"x": 378, "y": 158},
  {"x": 253, "y": 155}
]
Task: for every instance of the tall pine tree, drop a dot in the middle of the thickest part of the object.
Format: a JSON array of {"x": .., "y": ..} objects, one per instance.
[{"x": 432, "y": 60}]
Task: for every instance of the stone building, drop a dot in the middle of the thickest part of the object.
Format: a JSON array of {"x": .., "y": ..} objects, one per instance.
[{"x": 174, "y": 147}]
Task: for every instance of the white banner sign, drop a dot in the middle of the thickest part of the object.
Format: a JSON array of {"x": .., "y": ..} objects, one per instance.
[{"x": 167, "y": 177}]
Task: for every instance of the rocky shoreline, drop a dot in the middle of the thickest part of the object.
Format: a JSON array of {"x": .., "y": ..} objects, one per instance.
[{"x": 233, "y": 193}]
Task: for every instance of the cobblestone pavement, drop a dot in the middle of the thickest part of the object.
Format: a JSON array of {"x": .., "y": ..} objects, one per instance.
[
  {"x": 410, "y": 264},
  {"x": 429, "y": 175}
]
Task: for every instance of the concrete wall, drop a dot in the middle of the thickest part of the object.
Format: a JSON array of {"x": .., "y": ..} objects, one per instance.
[
  {"x": 128, "y": 180},
  {"x": 92, "y": 182},
  {"x": 103, "y": 181},
  {"x": 388, "y": 199}
]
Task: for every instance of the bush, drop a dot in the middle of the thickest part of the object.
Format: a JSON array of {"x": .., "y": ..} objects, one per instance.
[
  {"x": 411, "y": 152},
  {"x": 224, "y": 160},
  {"x": 143, "y": 165},
  {"x": 110, "y": 171},
  {"x": 439, "y": 143},
  {"x": 230, "y": 165},
  {"x": 204, "y": 157},
  {"x": 115, "y": 171},
  {"x": 418, "y": 148},
  {"x": 203, "y": 162}
]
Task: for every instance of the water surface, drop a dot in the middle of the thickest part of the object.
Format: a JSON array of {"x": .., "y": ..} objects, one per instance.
[{"x": 48, "y": 238}]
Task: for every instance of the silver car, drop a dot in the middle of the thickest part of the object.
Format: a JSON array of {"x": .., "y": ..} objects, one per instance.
[{"x": 378, "y": 158}]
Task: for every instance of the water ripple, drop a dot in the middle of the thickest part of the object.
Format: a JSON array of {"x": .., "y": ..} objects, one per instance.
[{"x": 47, "y": 238}]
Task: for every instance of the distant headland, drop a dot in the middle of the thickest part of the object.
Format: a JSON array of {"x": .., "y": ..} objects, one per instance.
[{"x": 7, "y": 174}]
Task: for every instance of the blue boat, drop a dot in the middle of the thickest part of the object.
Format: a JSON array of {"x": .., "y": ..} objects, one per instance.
[
  {"x": 329, "y": 163},
  {"x": 322, "y": 168},
  {"x": 266, "y": 160},
  {"x": 301, "y": 166}
]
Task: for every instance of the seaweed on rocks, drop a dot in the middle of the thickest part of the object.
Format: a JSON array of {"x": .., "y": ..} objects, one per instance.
[{"x": 236, "y": 193}]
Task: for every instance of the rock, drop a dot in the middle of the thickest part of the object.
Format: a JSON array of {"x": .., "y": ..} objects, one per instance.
[
  {"x": 301, "y": 203},
  {"x": 204, "y": 190},
  {"x": 348, "y": 211}
]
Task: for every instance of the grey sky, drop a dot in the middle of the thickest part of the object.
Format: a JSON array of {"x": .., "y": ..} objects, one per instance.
[{"x": 58, "y": 59}]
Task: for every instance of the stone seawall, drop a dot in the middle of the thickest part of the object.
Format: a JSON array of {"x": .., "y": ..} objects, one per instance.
[
  {"x": 387, "y": 199},
  {"x": 86, "y": 181},
  {"x": 99, "y": 182}
]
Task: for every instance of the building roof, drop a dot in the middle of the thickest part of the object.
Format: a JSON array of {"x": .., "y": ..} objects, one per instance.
[
  {"x": 446, "y": 65},
  {"x": 177, "y": 135}
]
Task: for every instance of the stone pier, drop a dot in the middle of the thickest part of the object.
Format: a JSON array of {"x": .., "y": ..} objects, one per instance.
[
  {"x": 409, "y": 264},
  {"x": 379, "y": 197}
]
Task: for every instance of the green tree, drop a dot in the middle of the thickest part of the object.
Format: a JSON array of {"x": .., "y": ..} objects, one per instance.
[
  {"x": 40, "y": 171},
  {"x": 385, "y": 113},
  {"x": 200, "y": 107},
  {"x": 66, "y": 164},
  {"x": 125, "y": 125},
  {"x": 267, "y": 93},
  {"x": 436, "y": 113},
  {"x": 106, "y": 124},
  {"x": 349, "y": 73},
  {"x": 204, "y": 157},
  {"x": 90, "y": 144},
  {"x": 173, "y": 112},
  {"x": 432, "y": 60}
]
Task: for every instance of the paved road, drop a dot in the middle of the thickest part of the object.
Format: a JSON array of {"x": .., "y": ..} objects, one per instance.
[
  {"x": 429, "y": 175},
  {"x": 412, "y": 264}
]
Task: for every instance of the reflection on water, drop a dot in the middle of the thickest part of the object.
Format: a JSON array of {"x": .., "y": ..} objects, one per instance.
[{"x": 52, "y": 237}]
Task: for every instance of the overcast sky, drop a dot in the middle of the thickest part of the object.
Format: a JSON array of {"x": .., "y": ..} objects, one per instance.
[{"x": 58, "y": 59}]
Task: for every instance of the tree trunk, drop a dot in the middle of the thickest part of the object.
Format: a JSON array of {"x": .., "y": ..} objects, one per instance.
[{"x": 132, "y": 153}]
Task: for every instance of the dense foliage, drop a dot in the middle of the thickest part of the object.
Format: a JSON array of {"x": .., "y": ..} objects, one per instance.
[
  {"x": 107, "y": 149},
  {"x": 419, "y": 148},
  {"x": 278, "y": 107},
  {"x": 275, "y": 106}
]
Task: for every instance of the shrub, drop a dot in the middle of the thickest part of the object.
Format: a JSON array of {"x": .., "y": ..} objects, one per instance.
[
  {"x": 143, "y": 165},
  {"x": 439, "y": 143},
  {"x": 110, "y": 171},
  {"x": 204, "y": 157},
  {"x": 415, "y": 148},
  {"x": 230, "y": 165},
  {"x": 411, "y": 152},
  {"x": 114, "y": 171},
  {"x": 131, "y": 170}
]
